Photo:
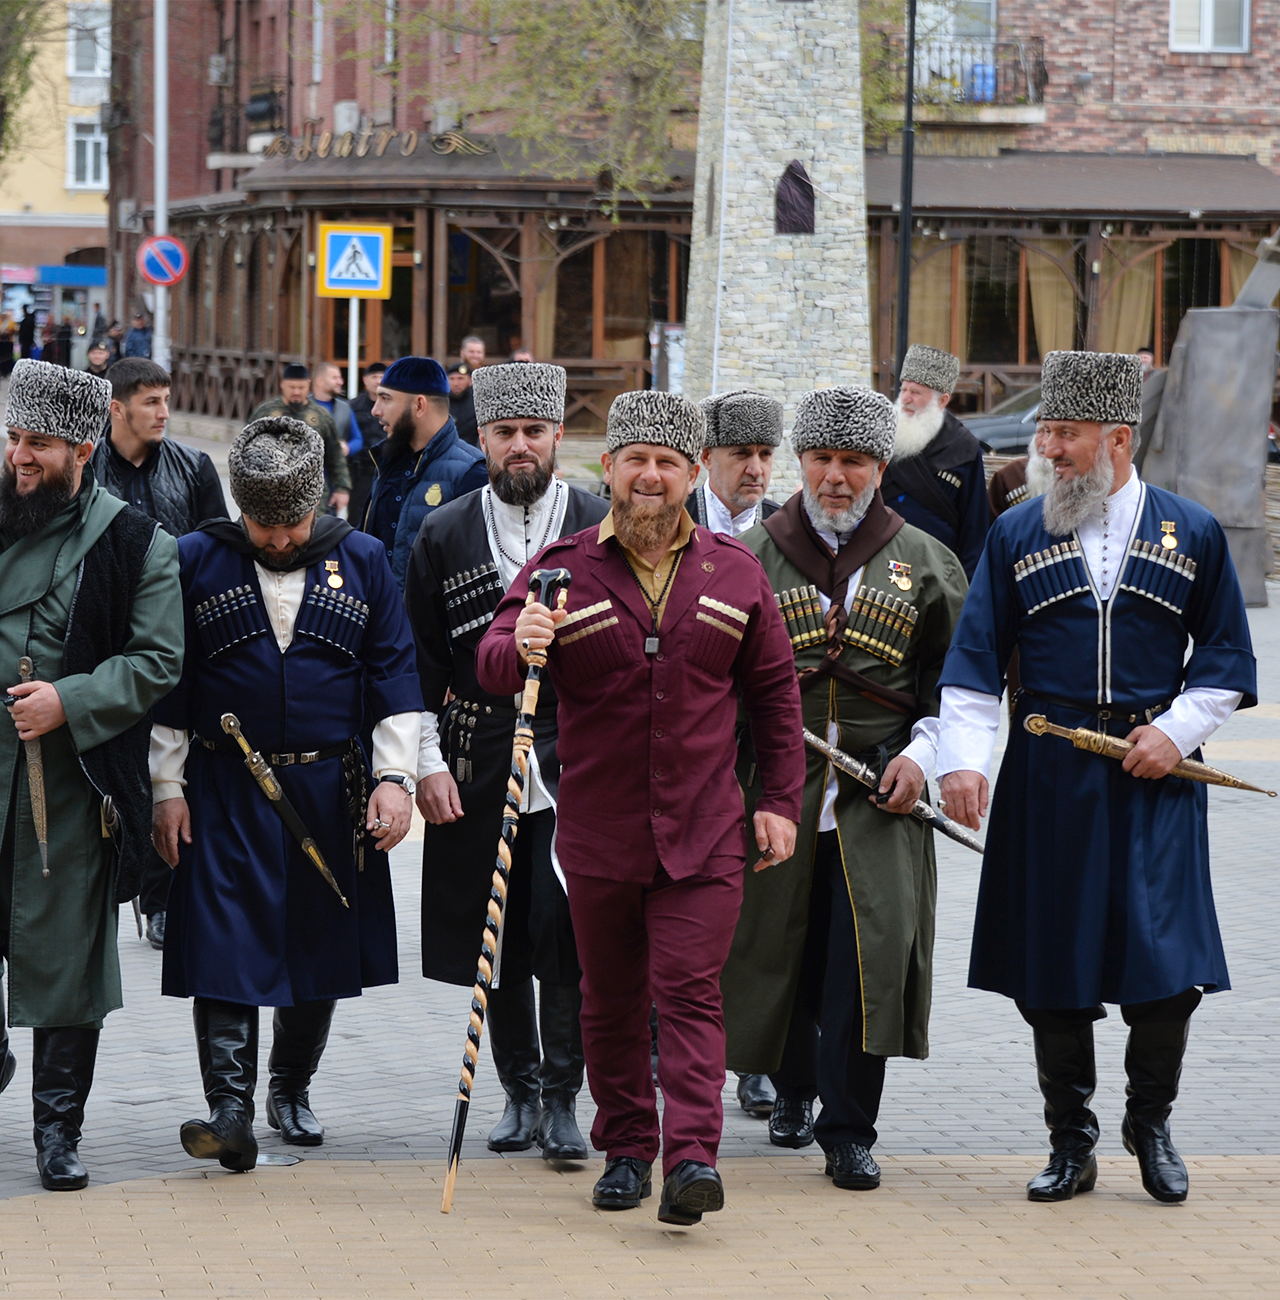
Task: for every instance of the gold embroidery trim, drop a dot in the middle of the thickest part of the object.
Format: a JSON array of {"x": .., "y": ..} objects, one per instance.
[
  {"x": 723, "y": 627},
  {"x": 579, "y": 614},
  {"x": 586, "y": 631},
  {"x": 721, "y": 608}
]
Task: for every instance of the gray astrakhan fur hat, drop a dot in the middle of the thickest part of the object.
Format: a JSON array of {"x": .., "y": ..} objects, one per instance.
[
  {"x": 845, "y": 419},
  {"x": 662, "y": 419},
  {"x": 1102, "y": 386},
  {"x": 520, "y": 390},
  {"x": 931, "y": 367},
  {"x": 57, "y": 402},
  {"x": 277, "y": 470},
  {"x": 742, "y": 417}
]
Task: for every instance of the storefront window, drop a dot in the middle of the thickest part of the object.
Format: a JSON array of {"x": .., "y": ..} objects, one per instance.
[
  {"x": 1192, "y": 278},
  {"x": 397, "y": 316}
]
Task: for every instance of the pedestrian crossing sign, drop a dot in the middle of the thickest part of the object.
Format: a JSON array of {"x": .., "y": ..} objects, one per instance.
[{"x": 354, "y": 261}]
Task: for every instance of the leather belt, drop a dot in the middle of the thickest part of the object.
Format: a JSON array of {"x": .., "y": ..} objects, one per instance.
[
  {"x": 1103, "y": 712},
  {"x": 302, "y": 757}
]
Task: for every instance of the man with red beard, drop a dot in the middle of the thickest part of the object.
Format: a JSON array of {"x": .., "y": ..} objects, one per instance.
[
  {"x": 667, "y": 625},
  {"x": 465, "y": 558}
]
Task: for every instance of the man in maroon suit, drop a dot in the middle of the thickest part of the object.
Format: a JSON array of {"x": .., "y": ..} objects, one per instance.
[{"x": 667, "y": 624}]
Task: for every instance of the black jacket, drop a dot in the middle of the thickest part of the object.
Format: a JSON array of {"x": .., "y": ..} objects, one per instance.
[
  {"x": 696, "y": 505},
  {"x": 176, "y": 486}
]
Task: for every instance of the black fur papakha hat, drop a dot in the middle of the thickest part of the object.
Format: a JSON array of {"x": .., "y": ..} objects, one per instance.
[
  {"x": 56, "y": 402},
  {"x": 520, "y": 390},
  {"x": 931, "y": 367},
  {"x": 277, "y": 470},
  {"x": 1102, "y": 386},
  {"x": 741, "y": 418},
  {"x": 662, "y": 419},
  {"x": 845, "y": 419}
]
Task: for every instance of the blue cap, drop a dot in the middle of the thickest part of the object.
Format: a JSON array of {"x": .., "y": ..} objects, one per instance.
[{"x": 416, "y": 375}]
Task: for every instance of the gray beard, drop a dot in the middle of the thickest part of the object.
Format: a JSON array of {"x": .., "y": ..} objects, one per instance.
[
  {"x": 916, "y": 432},
  {"x": 1068, "y": 503},
  {"x": 847, "y": 519},
  {"x": 1039, "y": 471}
]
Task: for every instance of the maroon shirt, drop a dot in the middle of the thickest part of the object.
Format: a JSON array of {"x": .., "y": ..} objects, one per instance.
[{"x": 647, "y": 741}]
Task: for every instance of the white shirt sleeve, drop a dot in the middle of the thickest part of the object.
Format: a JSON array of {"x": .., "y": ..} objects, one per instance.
[
  {"x": 395, "y": 745},
  {"x": 1195, "y": 715},
  {"x": 168, "y": 762},
  {"x": 967, "y": 727},
  {"x": 430, "y": 758},
  {"x": 922, "y": 749}
]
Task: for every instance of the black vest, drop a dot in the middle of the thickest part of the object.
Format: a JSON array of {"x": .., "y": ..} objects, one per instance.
[
  {"x": 173, "y": 472},
  {"x": 98, "y": 630}
]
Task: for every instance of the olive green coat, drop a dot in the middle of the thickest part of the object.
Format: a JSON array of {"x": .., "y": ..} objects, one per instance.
[
  {"x": 63, "y": 966},
  {"x": 888, "y": 859}
]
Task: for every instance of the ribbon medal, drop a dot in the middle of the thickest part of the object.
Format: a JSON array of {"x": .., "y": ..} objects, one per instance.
[
  {"x": 1168, "y": 541},
  {"x": 900, "y": 575},
  {"x": 335, "y": 578}
]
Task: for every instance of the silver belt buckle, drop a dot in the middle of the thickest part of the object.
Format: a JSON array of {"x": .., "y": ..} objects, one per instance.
[{"x": 309, "y": 757}]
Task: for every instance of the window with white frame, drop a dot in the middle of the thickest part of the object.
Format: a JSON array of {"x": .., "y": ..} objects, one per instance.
[
  {"x": 88, "y": 40},
  {"x": 1211, "y": 26},
  {"x": 86, "y": 155},
  {"x": 388, "y": 33},
  {"x": 317, "y": 40}
]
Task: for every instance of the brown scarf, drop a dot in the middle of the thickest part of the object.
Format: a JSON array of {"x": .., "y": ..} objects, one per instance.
[{"x": 796, "y": 537}]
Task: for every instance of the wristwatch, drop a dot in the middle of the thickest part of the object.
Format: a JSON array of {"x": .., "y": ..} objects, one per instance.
[{"x": 406, "y": 783}]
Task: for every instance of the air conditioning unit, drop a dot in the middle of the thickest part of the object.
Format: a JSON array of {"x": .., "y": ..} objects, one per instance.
[{"x": 219, "y": 71}]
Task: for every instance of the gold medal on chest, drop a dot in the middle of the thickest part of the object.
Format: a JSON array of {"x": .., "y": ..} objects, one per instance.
[
  {"x": 1168, "y": 541},
  {"x": 434, "y": 495},
  {"x": 900, "y": 575},
  {"x": 335, "y": 578}
]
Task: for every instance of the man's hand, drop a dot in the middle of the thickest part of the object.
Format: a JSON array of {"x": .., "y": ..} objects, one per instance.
[
  {"x": 775, "y": 838},
  {"x": 1154, "y": 755},
  {"x": 170, "y": 821},
  {"x": 537, "y": 625},
  {"x": 902, "y": 782},
  {"x": 338, "y": 500},
  {"x": 965, "y": 795},
  {"x": 389, "y": 813},
  {"x": 38, "y": 711},
  {"x": 438, "y": 799}
]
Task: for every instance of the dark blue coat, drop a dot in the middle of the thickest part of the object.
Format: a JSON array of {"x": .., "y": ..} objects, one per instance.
[
  {"x": 410, "y": 485},
  {"x": 1095, "y": 884},
  {"x": 251, "y": 920}
]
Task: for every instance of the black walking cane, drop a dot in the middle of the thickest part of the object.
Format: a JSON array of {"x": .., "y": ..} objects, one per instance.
[{"x": 544, "y": 585}]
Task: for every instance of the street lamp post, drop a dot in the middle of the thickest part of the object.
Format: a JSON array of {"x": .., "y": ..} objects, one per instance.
[
  {"x": 904, "y": 215},
  {"x": 160, "y": 82}
]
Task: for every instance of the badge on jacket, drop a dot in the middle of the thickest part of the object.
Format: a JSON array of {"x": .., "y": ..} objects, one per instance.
[
  {"x": 335, "y": 578},
  {"x": 900, "y": 575},
  {"x": 1168, "y": 541},
  {"x": 434, "y": 495}
]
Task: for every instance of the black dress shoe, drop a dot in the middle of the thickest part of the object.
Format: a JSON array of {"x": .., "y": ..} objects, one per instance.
[
  {"x": 515, "y": 1130},
  {"x": 558, "y": 1132},
  {"x": 756, "y": 1095},
  {"x": 8, "y": 1068},
  {"x": 1163, "y": 1173},
  {"x": 155, "y": 930},
  {"x": 791, "y": 1124},
  {"x": 1070, "y": 1170},
  {"x": 226, "y": 1136},
  {"x": 626, "y": 1182},
  {"x": 290, "y": 1112},
  {"x": 59, "y": 1166},
  {"x": 691, "y": 1190},
  {"x": 850, "y": 1166}
]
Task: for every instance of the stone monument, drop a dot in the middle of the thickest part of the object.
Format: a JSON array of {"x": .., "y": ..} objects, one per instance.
[{"x": 780, "y": 312}]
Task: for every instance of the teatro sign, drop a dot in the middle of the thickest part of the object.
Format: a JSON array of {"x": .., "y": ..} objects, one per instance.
[{"x": 360, "y": 143}]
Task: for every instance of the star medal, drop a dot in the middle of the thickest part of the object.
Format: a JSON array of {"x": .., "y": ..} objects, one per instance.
[
  {"x": 1168, "y": 541},
  {"x": 335, "y": 578},
  {"x": 434, "y": 495},
  {"x": 900, "y": 575}
]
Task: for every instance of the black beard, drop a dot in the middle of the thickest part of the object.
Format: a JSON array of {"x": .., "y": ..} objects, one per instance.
[
  {"x": 282, "y": 562},
  {"x": 525, "y": 488},
  {"x": 22, "y": 515},
  {"x": 401, "y": 434},
  {"x": 644, "y": 528}
]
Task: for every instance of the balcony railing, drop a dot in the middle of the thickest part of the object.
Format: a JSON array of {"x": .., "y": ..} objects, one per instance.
[{"x": 980, "y": 71}]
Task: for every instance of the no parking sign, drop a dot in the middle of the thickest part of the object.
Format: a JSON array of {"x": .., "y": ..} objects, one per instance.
[{"x": 162, "y": 259}]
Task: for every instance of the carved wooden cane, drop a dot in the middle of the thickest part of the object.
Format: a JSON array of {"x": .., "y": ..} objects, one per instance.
[{"x": 544, "y": 585}]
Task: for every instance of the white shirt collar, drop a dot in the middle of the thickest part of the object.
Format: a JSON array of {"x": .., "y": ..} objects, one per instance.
[
  {"x": 517, "y": 533},
  {"x": 719, "y": 520},
  {"x": 837, "y": 540}
]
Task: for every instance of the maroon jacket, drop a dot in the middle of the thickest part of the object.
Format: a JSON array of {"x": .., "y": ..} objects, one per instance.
[{"x": 647, "y": 742}]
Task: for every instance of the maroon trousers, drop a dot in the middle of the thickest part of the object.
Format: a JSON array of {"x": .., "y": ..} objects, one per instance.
[{"x": 666, "y": 942}]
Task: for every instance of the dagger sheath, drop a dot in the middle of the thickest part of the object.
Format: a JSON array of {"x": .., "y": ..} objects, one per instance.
[{"x": 35, "y": 780}]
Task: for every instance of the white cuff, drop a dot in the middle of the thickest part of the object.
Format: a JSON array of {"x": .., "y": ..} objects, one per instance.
[
  {"x": 167, "y": 760},
  {"x": 395, "y": 745},
  {"x": 922, "y": 749},
  {"x": 1195, "y": 715},
  {"x": 430, "y": 759},
  {"x": 968, "y": 723}
]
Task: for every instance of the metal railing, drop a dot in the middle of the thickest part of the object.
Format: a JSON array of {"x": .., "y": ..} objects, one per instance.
[{"x": 980, "y": 71}]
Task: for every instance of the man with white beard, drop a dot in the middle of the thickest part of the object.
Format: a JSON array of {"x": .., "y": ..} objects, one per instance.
[
  {"x": 1095, "y": 881},
  {"x": 935, "y": 479},
  {"x": 845, "y": 937},
  {"x": 1021, "y": 479}
]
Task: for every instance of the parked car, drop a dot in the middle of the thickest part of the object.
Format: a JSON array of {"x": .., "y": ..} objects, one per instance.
[{"x": 1007, "y": 427}]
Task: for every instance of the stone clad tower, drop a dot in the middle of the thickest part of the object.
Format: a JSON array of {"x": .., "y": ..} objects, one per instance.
[{"x": 779, "y": 312}]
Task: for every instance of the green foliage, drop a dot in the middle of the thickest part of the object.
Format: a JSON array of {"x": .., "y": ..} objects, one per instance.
[{"x": 25, "y": 23}]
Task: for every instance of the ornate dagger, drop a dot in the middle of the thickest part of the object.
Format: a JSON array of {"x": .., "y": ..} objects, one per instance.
[
  {"x": 270, "y": 786},
  {"x": 35, "y": 780},
  {"x": 1098, "y": 742},
  {"x": 922, "y": 812}
]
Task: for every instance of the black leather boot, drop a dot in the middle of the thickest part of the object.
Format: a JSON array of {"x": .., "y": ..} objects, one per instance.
[
  {"x": 1153, "y": 1062},
  {"x": 62, "y": 1063},
  {"x": 513, "y": 1040},
  {"x": 1068, "y": 1078},
  {"x": 227, "y": 1043},
  {"x": 561, "y": 1076},
  {"x": 8, "y": 1062},
  {"x": 299, "y": 1036}
]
